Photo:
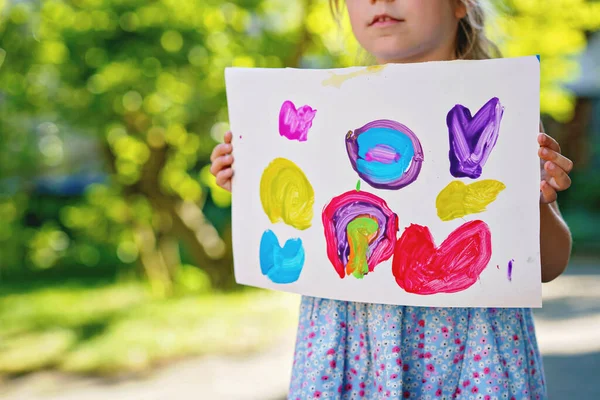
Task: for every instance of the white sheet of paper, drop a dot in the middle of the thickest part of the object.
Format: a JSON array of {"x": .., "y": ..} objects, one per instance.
[{"x": 420, "y": 97}]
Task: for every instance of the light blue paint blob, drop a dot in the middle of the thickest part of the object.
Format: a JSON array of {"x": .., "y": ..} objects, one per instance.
[
  {"x": 281, "y": 265},
  {"x": 384, "y": 172}
]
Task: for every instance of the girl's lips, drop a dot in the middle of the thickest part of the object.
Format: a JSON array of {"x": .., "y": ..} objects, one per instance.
[{"x": 384, "y": 20}]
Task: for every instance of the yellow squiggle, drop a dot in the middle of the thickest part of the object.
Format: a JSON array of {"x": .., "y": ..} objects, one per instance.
[
  {"x": 338, "y": 80},
  {"x": 286, "y": 194},
  {"x": 457, "y": 199}
]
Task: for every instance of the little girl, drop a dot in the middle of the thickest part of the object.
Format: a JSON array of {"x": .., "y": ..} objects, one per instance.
[{"x": 348, "y": 350}]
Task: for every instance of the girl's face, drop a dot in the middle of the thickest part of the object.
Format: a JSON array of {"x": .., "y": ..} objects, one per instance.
[{"x": 406, "y": 30}]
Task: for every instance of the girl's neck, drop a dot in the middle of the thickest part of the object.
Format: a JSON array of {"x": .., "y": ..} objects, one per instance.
[{"x": 438, "y": 54}]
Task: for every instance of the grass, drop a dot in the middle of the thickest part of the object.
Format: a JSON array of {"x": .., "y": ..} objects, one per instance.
[{"x": 108, "y": 328}]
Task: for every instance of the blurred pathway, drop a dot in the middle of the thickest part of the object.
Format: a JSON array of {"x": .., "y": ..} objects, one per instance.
[
  {"x": 568, "y": 329},
  {"x": 259, "y": 377}
]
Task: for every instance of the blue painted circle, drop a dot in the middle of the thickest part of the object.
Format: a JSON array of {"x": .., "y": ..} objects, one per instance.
[{"x": 384, "y": 171}]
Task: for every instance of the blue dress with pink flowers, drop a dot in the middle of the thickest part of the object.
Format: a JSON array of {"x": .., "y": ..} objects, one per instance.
[{"x": 348, "y": 350}]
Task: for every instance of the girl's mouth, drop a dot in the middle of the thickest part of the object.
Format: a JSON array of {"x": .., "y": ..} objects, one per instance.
[{"x": 384, "y": 20}]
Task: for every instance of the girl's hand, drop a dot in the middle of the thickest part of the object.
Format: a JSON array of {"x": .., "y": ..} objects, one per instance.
[
  {"x": 221, "y": 160},
  {"x": 555, "y": 169}
]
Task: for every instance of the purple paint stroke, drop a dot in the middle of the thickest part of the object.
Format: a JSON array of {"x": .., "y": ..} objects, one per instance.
[
  {"x": 344, "y": 209},
  {"x": 347, "y": 214},
  {"x": 510, "y": 268},
  {"x": 472, "y": 139},
  {"x": 409, "y": 176},
  {"x": 294, "y": 123}
]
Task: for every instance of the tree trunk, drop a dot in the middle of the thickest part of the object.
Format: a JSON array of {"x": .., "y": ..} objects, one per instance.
[
  {"x": 188, "y": 223},
  {"x": 305, "y": 38},
  {"x": 152, "y": 261},
  {"x": 202, "y": 241},
  {"x": 169, "y": 250}
]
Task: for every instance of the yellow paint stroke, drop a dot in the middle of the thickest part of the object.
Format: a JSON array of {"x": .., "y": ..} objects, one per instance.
[
  {"x": 338, "y": 80},
  {"x": 286, "y": 194},
  {"x": 457, "y": 199}
]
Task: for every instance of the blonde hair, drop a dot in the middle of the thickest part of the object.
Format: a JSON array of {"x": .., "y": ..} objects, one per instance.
[{"x": 471, "y": 40}]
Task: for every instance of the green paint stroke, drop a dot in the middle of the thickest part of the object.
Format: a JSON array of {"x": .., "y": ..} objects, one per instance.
[
  {"x": 358, "y": 186},
  {"x": 361, "y": 231}
]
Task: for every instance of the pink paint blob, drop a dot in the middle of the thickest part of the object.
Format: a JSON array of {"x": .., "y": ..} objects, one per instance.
[
  {"x": 294, "y": 123},
  {"x": 422, "y": 268},
  {"x": 382, "y": 153}
]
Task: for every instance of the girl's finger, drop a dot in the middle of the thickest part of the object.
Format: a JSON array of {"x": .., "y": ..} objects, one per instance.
[
  {"x": 547, "y": 154},
  {"x": 546, "y": 141},
  {"x": 228, "y": 137},
  {"x": 559, "y": 179},
  {"x": 224, "y": 178},
  {"x": 221, "y": 163},
  {"x": 220, "y": 150},
  {"x": 547, "y": 193}
]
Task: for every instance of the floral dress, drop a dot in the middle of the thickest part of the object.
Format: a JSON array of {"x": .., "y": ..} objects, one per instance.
[{"x": 348, "y": 350}]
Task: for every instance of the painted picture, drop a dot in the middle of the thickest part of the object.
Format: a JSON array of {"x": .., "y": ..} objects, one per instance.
[{"x": 389, "y": 184}]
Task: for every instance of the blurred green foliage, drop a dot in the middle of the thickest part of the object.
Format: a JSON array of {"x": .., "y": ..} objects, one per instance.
[
  {"x": 557, "y": 31},
  {"x": 145, "y": 80}
]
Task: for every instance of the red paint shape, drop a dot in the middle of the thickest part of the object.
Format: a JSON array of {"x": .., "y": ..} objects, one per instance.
[
  {"x": 343, "y": 209},
  {"x": 421, "y": 268}
]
